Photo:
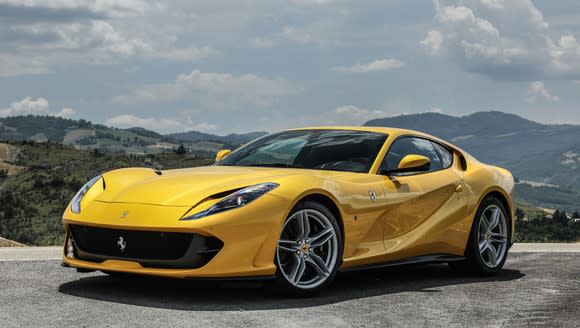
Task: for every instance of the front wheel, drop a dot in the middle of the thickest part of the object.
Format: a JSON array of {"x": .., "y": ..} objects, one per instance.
[
  {"x": 488, "y": 241},
  {"x": 309, "y": 250}
]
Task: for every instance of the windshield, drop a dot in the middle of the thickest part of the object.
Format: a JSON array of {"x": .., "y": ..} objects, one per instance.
[{"x": 337, "y": 150}]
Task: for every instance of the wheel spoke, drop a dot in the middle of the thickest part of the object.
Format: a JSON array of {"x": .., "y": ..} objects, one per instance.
[
  {"x": 286, "y": 249},
  {"x": 303, "y": 224},
  {"x": 492, "y": 252},
  {"x": 297, "y": 270},
  {"x": 485, "y": 222},
  {"x": 483, "y": 244},
  {"x": 322, "y": 237},
  {"x": 287, "y": 242},
  {"x": 318, "y": 264},
  {"x": 498, "y": 238},
  {"x": 494, "y": 218},
  {"x": 287, "y": 245}
]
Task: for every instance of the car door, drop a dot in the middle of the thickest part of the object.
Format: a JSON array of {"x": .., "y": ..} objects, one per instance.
[{"x": 423, "y": 208}]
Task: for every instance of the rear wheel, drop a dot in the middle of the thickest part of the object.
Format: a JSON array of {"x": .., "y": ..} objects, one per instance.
[
  {"x": 487, "y": 247},
  {"x": 309, "y": 250}
]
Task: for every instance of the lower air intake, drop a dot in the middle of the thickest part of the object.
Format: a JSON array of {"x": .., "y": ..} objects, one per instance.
[{"x": 152, "y": 249}]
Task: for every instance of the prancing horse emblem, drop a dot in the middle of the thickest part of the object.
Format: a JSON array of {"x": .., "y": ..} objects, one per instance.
[
  {"x": 122, "y": 244},
  {"x": 373, "y": 196}
]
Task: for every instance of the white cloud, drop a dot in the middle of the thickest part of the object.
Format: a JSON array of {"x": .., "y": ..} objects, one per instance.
[
  {"x": 433, "y": 42},
  {"x": 537, "y": 91},
  {"x": 12, "y": 65},
  {"x": 257, "y": 42},
  {"x": 214, "y": 90},
  {"x": 494, "y": 4},
  {"x": 109, "y": 7},
  {"x": 374, "y": 66},
  {"x": 30, "y": 106},
  {"x": 160, "y": 124},
  {"x": 353, "y": 112},
  {"x": 299, "y": 36},
  {"x": 151, "y": 123},
  {"x": 509, "y": 40},
  {"x": 205, "y": 127},
  {"x": 66, "y": 112},
  {"x": 75, "y": 31}
]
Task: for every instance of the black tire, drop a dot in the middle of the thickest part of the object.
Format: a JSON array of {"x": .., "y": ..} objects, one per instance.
[
  {"x": 283, "y": 284},
  {"x": 475, "y": 262}
]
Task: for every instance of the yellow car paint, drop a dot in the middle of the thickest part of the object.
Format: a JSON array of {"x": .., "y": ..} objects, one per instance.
[{"x": 412, "y": 215}]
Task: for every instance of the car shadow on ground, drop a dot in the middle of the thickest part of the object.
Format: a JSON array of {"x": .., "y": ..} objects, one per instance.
[{"x": 191, "y": 295}]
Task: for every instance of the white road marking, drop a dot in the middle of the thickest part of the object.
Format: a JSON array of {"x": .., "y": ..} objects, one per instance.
[
  {"x": 30, "y": 253},
  {"x": 545, "y": 248}
]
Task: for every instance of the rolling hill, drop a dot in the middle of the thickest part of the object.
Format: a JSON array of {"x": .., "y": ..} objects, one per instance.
[
  {"x": 541, "y": 153},
  {"x": 83, "y": 134},
  {"x": 37, "y": 179},
  {"x": 544, "y": 158}
]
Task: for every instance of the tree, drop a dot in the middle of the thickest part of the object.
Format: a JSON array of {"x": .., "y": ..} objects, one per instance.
[
  {"x": 520, "y": 214},
  {"x": 559, "y": 217},
  {"x": 180, "y": 150},
  {"x": 3, "y": 173},
  {"x": 576, "y": 215}
]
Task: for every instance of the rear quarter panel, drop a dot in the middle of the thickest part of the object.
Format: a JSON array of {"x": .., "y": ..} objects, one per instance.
[{"x": 482, "y": 179}]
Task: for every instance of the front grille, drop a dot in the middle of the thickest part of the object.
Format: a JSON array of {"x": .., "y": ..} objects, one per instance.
[{"x": 149, "y": 248}]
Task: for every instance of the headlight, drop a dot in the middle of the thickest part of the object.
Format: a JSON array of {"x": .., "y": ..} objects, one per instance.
[
  {"x": 76, "y": 201},
  {"x": 235, "y": 200}
]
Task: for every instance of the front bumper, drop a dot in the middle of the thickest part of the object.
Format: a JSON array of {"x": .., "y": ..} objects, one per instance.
[
  {"x": 249, "y": 235},
  {"x": 151, "y": 249}
]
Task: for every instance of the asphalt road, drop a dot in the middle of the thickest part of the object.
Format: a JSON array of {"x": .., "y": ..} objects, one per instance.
[{"x": 534, "y": 289}]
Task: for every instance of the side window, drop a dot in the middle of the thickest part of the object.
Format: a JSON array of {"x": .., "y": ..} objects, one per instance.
[
  {"x": 411, "y": 145},
  {"x": 445, "y": 155}
]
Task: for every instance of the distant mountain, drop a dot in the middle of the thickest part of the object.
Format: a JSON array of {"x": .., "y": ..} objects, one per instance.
[
  {"x": 83, "y": 134},
  {"x": 232, "y": 138},
  {"x": 539, "y": 153},
  {"x": 533, "y": 151}
]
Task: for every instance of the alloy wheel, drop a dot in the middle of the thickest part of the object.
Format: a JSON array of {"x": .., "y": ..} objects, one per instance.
[
  {"x": 492, "y": 236},
  {"x": 308, "y": 249}
]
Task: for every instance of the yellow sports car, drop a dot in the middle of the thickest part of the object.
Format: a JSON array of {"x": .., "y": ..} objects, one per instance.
[{"x": 298, "y": 206}]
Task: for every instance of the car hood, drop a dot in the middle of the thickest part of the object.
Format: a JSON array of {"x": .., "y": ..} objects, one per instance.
[{"x": 186, "y": 187}]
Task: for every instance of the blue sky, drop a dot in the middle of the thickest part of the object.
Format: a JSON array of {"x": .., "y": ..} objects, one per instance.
[{"x": 236, "y": 66}]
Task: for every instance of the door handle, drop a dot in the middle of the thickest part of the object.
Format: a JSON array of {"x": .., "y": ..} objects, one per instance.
[{"x": 459, "y": 188}]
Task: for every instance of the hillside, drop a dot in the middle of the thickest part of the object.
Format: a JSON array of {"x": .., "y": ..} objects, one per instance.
[
  {"x": 38, "y": 179},
  {"x": 232, "y": 138},
  {"x": 532, "y": 151},
  {"x": 33, "y": 199},
  {"x": 83, "y": 134}
]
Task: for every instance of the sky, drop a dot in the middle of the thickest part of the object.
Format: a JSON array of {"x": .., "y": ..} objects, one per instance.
[{"x": 233, "y": 66}]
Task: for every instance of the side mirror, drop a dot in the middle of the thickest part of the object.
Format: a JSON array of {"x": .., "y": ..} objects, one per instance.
[
  {"x": 222, "y": 154},
  {"x": 412, "y": 163}
]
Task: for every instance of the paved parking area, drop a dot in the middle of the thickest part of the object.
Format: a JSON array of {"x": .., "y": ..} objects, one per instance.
[{"x": 534, "y": 289}]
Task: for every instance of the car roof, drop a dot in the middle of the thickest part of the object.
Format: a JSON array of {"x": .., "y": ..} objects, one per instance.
[
  {"x": 390, "y": 131},
  {"x": 378, "y": 129}
]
